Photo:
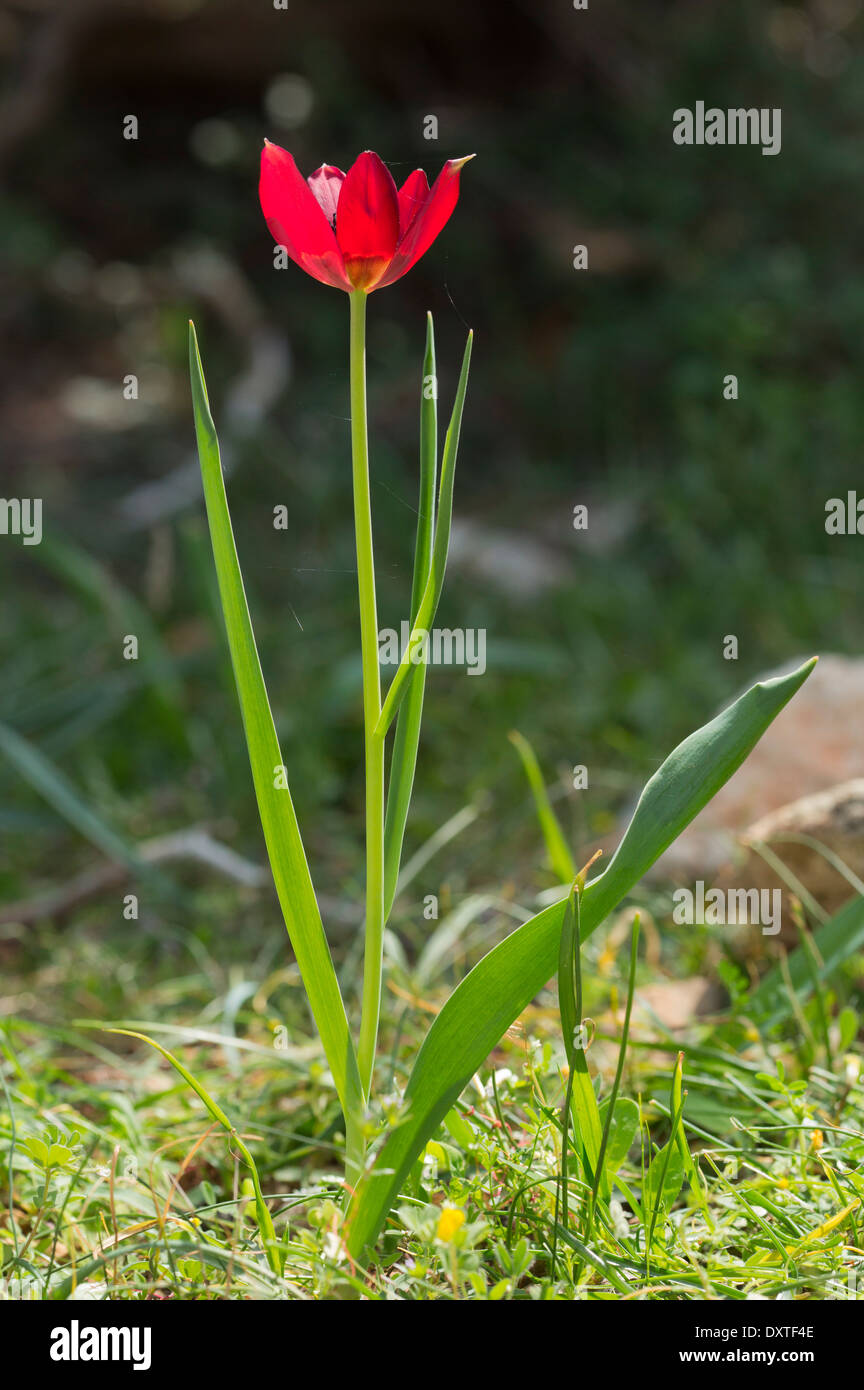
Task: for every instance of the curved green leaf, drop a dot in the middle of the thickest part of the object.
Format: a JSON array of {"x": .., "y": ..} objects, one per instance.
[{"x": 505, "y": 981}]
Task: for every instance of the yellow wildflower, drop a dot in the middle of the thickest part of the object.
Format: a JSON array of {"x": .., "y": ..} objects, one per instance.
[{"x": 449, "y": 1222}]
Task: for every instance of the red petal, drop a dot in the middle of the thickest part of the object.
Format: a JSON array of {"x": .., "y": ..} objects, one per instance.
[
  {"x": 297, "y": 220},
  {"x": 412, "y": 196},
  {"x": 326, "y": 184},
  {"x": 367, "y": 221},
  {"x": 429, "y": 221}
]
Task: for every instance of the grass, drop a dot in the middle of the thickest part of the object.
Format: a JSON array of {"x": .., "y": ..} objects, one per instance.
[{"x": 124, "y": 1186}]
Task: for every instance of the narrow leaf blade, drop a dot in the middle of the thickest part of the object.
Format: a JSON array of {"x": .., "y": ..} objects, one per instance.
[
  {"x": 52, "y": 783},
  {"x": 406, "y": 742},
  {"x": 560, "y": 857},
  {"x": 440, "y": 548},
  {"x": 278, "y": 818}
]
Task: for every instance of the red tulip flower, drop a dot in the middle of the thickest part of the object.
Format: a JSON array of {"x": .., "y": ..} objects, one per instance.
[{"x": 355, "y": 231}]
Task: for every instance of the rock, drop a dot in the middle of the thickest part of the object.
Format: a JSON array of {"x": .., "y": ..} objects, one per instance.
[
  {"x": 514, "y": 564},
  {"x": 676, "y": 1003},
  {"x": 814, "y": 745},
  {"x": 833, "y": 819},
  {"x": 525, "y": 566}
]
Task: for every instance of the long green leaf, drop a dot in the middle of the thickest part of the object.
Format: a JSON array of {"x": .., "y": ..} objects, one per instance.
[
  {"x": 278, "y": 819},
  {"x": 505, "y": 981},
  {"x": 403, "y": 762},
  {"x": 440, "y": 547}
]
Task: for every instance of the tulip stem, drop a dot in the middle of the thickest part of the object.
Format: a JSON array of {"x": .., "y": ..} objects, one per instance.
[{"x": 374, "y": 742}]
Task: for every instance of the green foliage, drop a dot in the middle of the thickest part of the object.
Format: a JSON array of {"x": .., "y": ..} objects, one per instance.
[
  {"x": 496, "y": 991},
  {"x": 51, "y": 1151}
]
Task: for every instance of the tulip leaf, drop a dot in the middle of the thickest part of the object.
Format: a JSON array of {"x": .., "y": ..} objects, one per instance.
[
  {"x": 495, "y": 992},
  {"x": 407, "y": 738},
  {"x": 622, "y": 1131},
  {"x": 440, "y": 546},
  {"x": 278, "y": 819}
]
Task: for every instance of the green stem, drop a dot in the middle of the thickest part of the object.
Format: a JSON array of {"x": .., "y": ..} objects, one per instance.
[{"x": 374, "y": 743}]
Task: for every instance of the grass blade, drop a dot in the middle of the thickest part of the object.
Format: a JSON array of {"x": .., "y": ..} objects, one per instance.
[
  {"x": 691, "y": 1167},
  {"x": 562, "y": 861},
  {"x": 619, "y": 1070},
  {"x": 584, "y": 1109},
  {"x": 663, "y": 1179},
  {"x": 278, "y": 818},
  {"x": 265, "y": 1221},
  {"x": 102, "y": 590},
  {"x": 55, "y": 787}
]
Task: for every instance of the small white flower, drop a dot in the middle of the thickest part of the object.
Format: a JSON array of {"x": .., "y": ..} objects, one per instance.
[
  {"x": 619, "y": 1221},
  {"x": 333, "y": 1247},
  {"x": 502, "y": 1077},
  {"x": 88, "y": 1293}
]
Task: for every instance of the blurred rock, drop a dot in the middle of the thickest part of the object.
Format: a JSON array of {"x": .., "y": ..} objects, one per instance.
[
  {"x": 816, "y": 744},
  {"x": 677, "y": 1002},
  {"x": 833, "y": 820},
  {"x": 525, "y": 564},
  {"x": 509, "y": 561}
]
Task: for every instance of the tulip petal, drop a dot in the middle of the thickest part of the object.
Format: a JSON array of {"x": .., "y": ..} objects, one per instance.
[
  {"x": 430, "y": 219},
  {"x": 296, "y": 219},
  {"x": 367, "y": 220},
  {"x": 412, "y": 196},
  {"x": 326, "y": 184}
]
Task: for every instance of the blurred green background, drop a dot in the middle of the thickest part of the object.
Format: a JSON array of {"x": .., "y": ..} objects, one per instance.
[{"x": 603, "y": 387}]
